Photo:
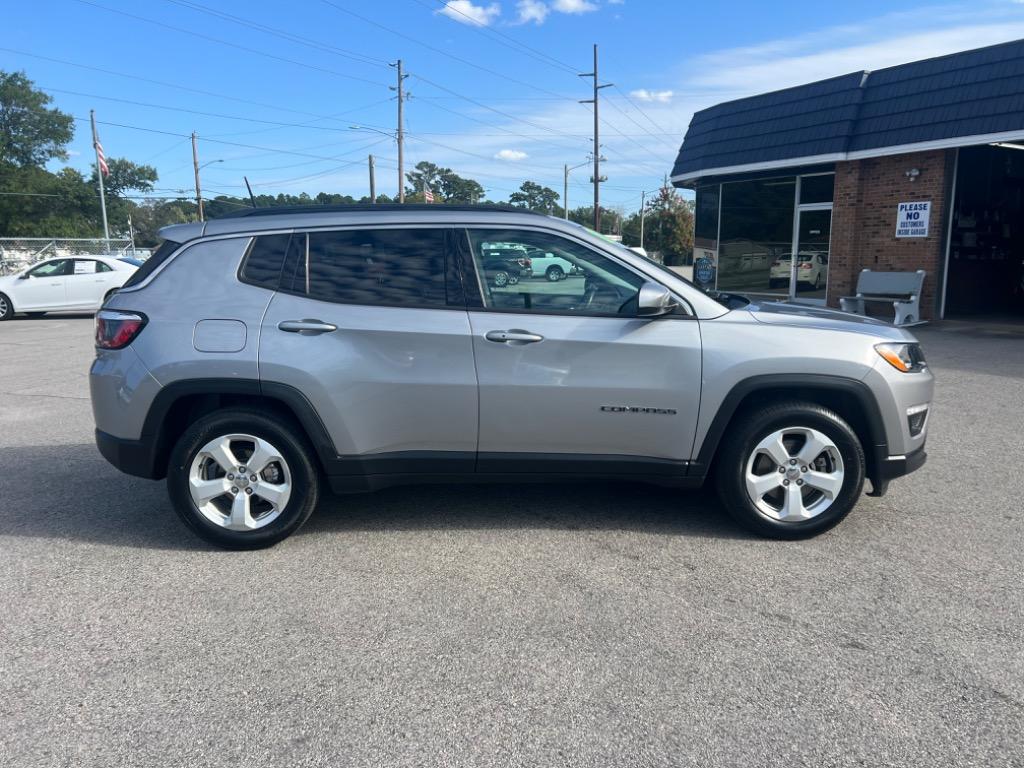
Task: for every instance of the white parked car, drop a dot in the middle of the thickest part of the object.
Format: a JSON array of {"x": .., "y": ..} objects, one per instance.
[
  {"x": 811, "y": 269},
  {"x": 550, "y": 266},
  {"x": 75, "y": 283}
]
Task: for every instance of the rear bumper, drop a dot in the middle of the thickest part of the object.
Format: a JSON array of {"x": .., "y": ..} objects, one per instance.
[{"x": 133, "y": 457}]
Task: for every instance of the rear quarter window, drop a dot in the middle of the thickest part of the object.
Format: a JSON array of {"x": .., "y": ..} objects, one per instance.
[{"x": 264, "y": 261}]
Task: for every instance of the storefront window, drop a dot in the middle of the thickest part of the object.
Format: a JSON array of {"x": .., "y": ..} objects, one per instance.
[
  {"x": 817, "y": 189},
  {"x": 705, "y": 235},
  {"x": 756, "y": 236}
]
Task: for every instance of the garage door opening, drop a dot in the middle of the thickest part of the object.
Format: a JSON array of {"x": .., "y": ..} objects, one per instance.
[{"x": 986, "y": 248}]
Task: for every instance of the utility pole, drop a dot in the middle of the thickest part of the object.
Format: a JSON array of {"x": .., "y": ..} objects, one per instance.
[
  {"x": 373, "y": 184},
  {"x": 643, "y": 210},
  {"x": 195, "y": 167},
  {"x": 99, "y": 176},
  {"x": 597, "y": 142},
  {"x": 565, "y": 192},
  {"x": 400, "y": 134}
]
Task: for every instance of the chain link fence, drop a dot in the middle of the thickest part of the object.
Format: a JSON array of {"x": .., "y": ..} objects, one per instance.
[{"x": 18, "y": 252}]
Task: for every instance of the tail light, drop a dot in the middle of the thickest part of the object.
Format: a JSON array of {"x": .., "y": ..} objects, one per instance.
[
  {"x": 116, "y": 330},
  {"x": 805, "y": 265}
]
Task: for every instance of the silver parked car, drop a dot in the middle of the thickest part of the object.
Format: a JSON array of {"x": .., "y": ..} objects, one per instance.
[{"x": 256, "y": 358}]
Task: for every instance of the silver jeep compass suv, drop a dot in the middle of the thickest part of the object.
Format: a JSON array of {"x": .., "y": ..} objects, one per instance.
[{"x": 255, "y": 358}]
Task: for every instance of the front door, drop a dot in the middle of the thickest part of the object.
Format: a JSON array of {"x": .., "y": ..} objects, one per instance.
[
  {"x": 809, "y": 265},
  {"x": 570, "y": 378},
  {"x": 45, "y": 288}
]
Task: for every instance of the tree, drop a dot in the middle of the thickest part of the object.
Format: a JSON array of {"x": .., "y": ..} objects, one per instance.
[
  {"x": 533, "y": 196},
  {"x": 125, "y": 176},
  {"x": 668, "y": 227},
  {"x": 611, "y": 220},
  {"x": 30, "y": 133},
  {"x": 446, "y": 185}
]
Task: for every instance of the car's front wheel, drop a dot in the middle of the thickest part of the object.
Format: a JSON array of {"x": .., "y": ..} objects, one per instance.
[
  {"x": 6, "y": 308},
  {"x": 790, "y": 470},
  {"x": 554, "y": 273},
  {"x": 243, "y": 479}
]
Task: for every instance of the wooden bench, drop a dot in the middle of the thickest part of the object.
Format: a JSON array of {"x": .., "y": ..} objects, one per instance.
[{"x": 903, "y": 289}]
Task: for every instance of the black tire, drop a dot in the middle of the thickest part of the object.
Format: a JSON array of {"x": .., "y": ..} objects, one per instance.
[
  {"x": 6, "y": 308},
  {"x": 554, "y": 273},
  {"x": 748, "y": 429},
  {"x": 513, "y": 279},
  {"x": 293, "y": 448},
  {"x": 500, "y": 279}
]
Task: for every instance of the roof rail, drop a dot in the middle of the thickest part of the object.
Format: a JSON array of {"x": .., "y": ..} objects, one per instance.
[{"x": 279, "y": 210}]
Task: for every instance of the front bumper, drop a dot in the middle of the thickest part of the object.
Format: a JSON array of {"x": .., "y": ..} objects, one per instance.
[{"x": 890, "y": 467}]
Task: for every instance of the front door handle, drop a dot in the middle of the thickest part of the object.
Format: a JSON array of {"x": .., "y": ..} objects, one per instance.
[
  {"x": 306, "y": 327},
  {"x": 513, "y": 336}
]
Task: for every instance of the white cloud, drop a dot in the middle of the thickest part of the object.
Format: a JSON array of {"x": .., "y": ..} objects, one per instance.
[
  {"x": 511, "y": 154},
  {"x": 642, "y": 94},
  {"x": 536, "y": 11},
  {"x": 574, "y": 6},
  {"x": 464, "y": 12},
  {"x": 623, "y": 2}
]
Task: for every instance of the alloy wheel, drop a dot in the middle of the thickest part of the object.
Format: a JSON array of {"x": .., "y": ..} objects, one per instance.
[
  {"x": 794, "y": 474},
  {"x": 240, "y": 482}
]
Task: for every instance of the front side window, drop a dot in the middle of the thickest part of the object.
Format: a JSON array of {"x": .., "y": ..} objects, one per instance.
[
  {"x": 57, "y": 268},
  {"x": 524, "y": 270},
  {"x": 388, "y": 267}
]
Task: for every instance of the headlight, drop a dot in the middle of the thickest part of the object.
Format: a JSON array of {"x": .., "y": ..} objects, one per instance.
[{"x": 904, "y": 357}]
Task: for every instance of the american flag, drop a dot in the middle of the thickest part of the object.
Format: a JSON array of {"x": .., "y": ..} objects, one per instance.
[
  {"x": 101, "y": 159},
  {"x": 427, "y": 194}
]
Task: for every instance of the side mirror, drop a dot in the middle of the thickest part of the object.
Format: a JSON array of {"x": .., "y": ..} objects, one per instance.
[
  {"x": 654, "y": 300},
  {"x": 24, "y": 276}
]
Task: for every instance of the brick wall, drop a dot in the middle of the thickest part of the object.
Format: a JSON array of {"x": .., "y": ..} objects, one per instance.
[{"x": 864, "y": 222}]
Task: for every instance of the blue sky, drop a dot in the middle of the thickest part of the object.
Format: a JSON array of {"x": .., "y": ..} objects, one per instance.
[{"x": 492, "y": 82}]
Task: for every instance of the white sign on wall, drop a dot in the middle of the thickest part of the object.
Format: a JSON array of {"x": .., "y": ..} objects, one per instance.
[{"x": 912, "y": 219}]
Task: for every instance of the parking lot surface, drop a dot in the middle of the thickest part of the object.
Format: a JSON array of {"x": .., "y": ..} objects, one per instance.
[{"x": 589, "y": 625}]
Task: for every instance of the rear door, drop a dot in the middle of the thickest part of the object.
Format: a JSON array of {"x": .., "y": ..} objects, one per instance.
[
  {"x": 370, "y": 327},
  {"x": 570, "y": 378},
  {"x": 88, "y": 283}
]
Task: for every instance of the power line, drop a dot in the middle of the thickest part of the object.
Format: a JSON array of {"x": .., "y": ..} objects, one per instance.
[
  {"x": 165, "y": 84},
  {"x": 289, "y": 36},
  {"x": 446, "y": 54},
  {"x": 499, "y": 36},
  {"x": 229, "y": 44}
]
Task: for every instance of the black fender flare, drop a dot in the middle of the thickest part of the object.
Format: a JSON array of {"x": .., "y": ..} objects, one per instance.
[{"x": 876, "y": 446}]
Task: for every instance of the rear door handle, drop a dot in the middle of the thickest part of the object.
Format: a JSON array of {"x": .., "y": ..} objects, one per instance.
[
  {"x": 306, "y": 327},
  {"x": 514, "y": 336}
]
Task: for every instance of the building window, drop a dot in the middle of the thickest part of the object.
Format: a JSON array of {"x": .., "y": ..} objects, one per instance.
[
  {"x": 817, "y": 189},
  {"x": 756, "y": 235},
  {"x": 705, "y": 234}
]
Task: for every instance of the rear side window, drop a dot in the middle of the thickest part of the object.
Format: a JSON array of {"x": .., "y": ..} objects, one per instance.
[
  {"x": 264, "y": 261},
  {"x": 167, "y": 247},
  {"x": 390, "y": 267}
]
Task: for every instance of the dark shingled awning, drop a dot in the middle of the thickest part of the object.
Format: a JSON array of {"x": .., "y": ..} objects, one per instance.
[{"x": 970, "y": 97}]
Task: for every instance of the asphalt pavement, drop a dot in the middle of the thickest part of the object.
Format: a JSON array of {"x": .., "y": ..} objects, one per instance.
[{"x": 592, "y": 625}]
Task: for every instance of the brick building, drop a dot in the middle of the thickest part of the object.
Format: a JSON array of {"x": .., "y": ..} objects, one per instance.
[{"x": 917, "y": 166}]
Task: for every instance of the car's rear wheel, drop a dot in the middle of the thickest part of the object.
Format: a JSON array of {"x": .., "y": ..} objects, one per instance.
[
  {"x": 6, "y": 308},
  {"x": 500, "y": 279},
  {"x": 790, "y": 470},
  {"x": 242, "y": 479},
  {"x": 555, "y": 273}
]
